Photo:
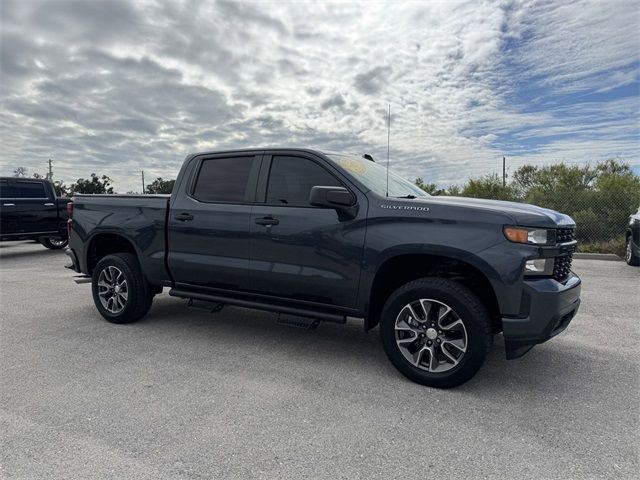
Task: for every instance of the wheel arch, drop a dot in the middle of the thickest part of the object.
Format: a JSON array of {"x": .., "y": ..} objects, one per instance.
[
  {"x": 397, "y": 269},
  {"x": 106, "y": 243}
]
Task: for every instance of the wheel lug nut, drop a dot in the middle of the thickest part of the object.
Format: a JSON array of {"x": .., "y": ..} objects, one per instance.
[
  {"x": 429, "y": 343},
  {"x": 438, "y": 340},
  {"x": 439, "y": 332},
  {"x": 422, "y": 335}
]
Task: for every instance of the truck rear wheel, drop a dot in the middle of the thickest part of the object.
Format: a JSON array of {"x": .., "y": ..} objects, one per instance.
[
  {"x": 436, "y": 332},
  {"x": 54, "y": 243},
  {"x": 120, "y": 291}
]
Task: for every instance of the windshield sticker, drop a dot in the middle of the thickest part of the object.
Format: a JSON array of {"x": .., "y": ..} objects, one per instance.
[{"x": 354, "y": 166}]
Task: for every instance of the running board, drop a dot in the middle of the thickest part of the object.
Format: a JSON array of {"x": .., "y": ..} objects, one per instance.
[
  {"x": 257, "y": 305},
  {"x": 82, "y": 279},
  {"x": 299, "y": 322}
]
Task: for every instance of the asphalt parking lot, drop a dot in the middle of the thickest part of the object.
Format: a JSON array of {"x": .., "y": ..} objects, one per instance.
[{"x": 183, "y": 394}]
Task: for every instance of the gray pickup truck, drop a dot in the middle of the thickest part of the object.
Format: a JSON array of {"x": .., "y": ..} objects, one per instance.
[{"x": 330, "y": 237}]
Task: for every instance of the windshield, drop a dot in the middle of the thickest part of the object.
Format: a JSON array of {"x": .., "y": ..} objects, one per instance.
[{"x": 374, "y": 176}]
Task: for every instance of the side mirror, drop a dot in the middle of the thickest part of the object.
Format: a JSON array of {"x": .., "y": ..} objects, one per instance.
[
  {"x": 338, "y": 198},
  {"x": 331, "y": 197}
]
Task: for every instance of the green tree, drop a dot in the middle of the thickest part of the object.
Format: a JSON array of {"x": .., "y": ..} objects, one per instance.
[
  {"x": 95, "y": 184},
  {"x": 488, "y": 186},
  {"x": 160, "y": 186},
  {"x": 20, "y": 172},
  {"x": 430, "y": 188},
  {"x": 61, "y": 188}
]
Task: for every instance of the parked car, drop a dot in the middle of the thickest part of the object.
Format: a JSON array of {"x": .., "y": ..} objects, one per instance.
[
  {"x": 632, "y": 255},
  {"x": 332, "y": 237},
  {"x": 30, "y": 210}
]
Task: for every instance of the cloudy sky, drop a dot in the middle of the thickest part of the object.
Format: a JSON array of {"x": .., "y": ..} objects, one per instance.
[{"x": 119, "y": 86}]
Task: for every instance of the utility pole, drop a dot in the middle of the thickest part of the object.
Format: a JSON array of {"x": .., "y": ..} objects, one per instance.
[
  {"x": 142, "y": 171},
  {"x": 504, "y": 172},
  {"x": 50, "y": 174}
]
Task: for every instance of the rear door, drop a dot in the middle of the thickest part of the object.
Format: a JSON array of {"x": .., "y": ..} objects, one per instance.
[
  {"x": 36, "y": 206},
  {"x": 299, "y": 251},
  {"x": 8, "y": 213},
  {"x": 208, "y": 223}
]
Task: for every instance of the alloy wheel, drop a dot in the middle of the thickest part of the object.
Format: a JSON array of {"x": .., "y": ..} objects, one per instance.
[
  {"x": 57, "y": 242},
  {"x": 431, "y": 335},
  {"x": 112, "y": 289}
]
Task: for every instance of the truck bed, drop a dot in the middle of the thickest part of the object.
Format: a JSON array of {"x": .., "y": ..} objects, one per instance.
[{"x": 139, "y": 218}]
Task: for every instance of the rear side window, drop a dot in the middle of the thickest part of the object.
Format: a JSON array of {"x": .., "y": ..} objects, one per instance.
[
  {"x": 31, "y": 190},
  {"x": 224, "y": 179},
  {"x": 291, "y": 179},
  {"x": 7, "y": 190}
]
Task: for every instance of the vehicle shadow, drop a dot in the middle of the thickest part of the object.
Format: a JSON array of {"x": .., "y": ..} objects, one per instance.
[{"x": 556, "y": 367}]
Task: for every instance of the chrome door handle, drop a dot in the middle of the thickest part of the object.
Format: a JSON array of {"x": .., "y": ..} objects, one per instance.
[
  {"x": 49, "y": 204},
  {"x": 9, "y": 204}
]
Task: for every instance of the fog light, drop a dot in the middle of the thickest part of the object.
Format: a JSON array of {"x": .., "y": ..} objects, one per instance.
[{"x": 539, "y": 266}]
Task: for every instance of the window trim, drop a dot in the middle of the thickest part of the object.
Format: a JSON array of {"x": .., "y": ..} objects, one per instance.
[
  {"x": 252, "y": 179},
  {"x": 263, "y": 184}
]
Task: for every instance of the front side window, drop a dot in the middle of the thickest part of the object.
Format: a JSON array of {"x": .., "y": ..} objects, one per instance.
[
  {"x": 291, "y": 179},
  {"x": 7, "y": 190},
  {"x": 31, "y": 190},
  {"x": 223, "y": 179}
]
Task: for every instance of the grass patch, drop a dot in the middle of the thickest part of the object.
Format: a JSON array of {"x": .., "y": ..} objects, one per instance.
[{"x": 616, "y": 246}]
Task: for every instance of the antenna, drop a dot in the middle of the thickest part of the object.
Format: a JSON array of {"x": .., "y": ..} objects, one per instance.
[{"x": 388, "y": 137}]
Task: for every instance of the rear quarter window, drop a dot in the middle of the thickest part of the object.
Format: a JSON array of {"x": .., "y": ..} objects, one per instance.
[{"x": 31, "y": 190}]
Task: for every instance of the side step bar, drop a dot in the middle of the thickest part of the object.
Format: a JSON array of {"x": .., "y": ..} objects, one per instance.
[{"x": 257, "y": 305}]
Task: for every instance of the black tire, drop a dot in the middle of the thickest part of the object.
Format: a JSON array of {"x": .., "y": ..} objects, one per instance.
[
  {"x": 630, "y": 257},
  {"x": 139, "y": 293},
  {"x": 466, "y": 305},
  {"x": 58, "y": 245}
]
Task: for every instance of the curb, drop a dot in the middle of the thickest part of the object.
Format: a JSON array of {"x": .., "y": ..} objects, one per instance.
[{"x": 597, "y": 256}]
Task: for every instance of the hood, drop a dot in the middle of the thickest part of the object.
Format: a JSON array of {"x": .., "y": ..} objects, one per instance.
[{"x": 522, "y": 214}]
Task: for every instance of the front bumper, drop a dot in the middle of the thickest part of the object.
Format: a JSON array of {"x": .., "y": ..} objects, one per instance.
[{"x": 547, "y": 308}]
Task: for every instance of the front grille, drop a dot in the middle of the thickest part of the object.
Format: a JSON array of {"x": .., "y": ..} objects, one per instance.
[
  {"x": 564, "y": 235},
  {"x": 562, "y": 263},
  {"x": 562, "y": 267}
]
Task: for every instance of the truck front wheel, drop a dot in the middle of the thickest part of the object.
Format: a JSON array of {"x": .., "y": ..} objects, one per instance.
[
  {"x": 120, "y": 291},
  {"x": 436, "y": 332}
]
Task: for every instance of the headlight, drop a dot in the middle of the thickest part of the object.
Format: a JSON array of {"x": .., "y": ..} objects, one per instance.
[
  {"x": 533, "y": 236},
  {"x": 539, "y": 266}
]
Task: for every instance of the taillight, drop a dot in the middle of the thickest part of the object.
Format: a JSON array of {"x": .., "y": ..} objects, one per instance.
[{"x": 70, "y": 220}]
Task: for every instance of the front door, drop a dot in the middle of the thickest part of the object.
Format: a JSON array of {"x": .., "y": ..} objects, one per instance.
[
  {"x": 209, "y": 225},
  {"x": 299, "y": 251}
]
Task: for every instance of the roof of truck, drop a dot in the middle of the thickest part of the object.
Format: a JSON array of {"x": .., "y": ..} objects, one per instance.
[{"x": 263, "y": 149}]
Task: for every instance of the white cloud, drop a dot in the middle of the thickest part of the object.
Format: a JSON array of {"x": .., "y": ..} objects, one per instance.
[{"x": 116, "y": 87}]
